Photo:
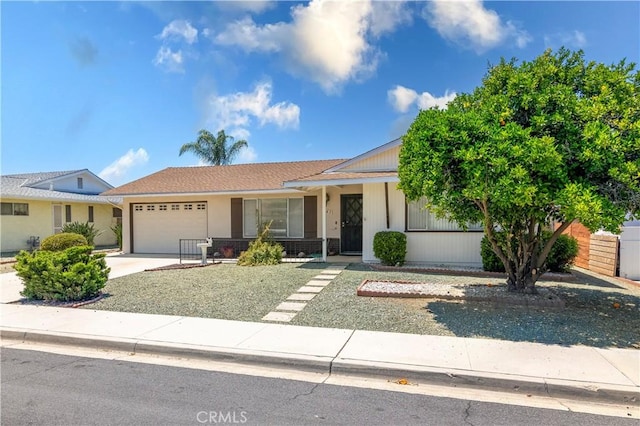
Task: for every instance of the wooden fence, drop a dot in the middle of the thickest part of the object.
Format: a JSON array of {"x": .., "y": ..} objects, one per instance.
[{"x": 598, "y": 253}]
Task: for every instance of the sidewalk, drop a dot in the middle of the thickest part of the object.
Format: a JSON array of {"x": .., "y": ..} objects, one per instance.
[{"x": 576, "y": 372}]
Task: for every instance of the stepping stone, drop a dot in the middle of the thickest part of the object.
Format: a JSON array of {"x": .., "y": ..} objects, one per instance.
[
  {"x": 309, "y": 289},
  {"x": 332, "y": 271},
  {"x": 291, "y": 306},
  {"x": 279, "y": 316},
  {"x": 324, "y": 277},
  {"x": 319, "y": 283},
  {"x": 304, "y": 296}
]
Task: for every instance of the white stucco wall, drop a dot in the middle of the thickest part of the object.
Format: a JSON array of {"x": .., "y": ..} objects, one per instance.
[{"x": 429, "y": 248}]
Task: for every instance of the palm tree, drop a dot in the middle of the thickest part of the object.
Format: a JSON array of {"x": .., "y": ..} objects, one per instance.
[{"x": 214, "y": 149}]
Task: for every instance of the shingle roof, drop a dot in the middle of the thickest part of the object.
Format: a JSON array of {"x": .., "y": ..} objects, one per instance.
[
  {"x": 19, "y": 186},
  {"x": 231, "y": 178},
  {"x": 34, "y": 178}
]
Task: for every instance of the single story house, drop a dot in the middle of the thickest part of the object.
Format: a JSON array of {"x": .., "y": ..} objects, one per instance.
[
  {"x": 37, "y": 205},
  {"x": 320, "y": 208}
]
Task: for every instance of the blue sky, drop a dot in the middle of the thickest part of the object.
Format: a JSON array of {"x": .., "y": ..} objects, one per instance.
[{"x": 118, "y": 87}]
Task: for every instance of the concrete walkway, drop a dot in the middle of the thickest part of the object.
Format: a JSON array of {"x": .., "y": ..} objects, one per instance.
[{"x": 575, "y": 372}]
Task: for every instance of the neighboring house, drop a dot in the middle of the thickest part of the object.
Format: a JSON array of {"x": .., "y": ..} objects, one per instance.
[
  {"x": 37, "y": 205},
  {"x": 334, "y": 206}
]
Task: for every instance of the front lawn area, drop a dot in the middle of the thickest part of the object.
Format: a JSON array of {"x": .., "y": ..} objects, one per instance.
[{"x": 233, "y": 292}]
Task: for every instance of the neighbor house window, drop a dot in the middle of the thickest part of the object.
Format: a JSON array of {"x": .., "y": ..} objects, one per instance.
[
  {"x": 419, "y": 218},
  {"x": 15, "y": 209},
  {"x": 286, "y": 216},
  {"x": 67, "y": 213},
  {"x": 90, "y": 213},
  {"x": 117, "y": 214},
  {"x": 80, "y": 184}
]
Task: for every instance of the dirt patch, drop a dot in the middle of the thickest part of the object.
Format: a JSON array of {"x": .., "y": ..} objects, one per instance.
[{"x": 496, "y": 294}]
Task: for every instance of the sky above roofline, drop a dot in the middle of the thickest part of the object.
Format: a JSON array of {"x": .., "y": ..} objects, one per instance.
[{"x": 118, "y": 87}]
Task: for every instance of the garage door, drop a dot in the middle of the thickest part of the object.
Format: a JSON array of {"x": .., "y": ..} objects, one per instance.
[{"x": 157, "y": 228}]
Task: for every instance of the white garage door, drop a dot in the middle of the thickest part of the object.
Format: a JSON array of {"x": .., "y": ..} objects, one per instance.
[{"x": 157, "y": 228}]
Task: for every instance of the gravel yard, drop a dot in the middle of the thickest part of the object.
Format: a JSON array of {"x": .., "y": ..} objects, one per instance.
[{"x": 597, "y": 313}]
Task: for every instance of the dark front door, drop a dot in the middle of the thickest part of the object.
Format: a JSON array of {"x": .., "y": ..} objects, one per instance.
[{"x": 351, "y": 216}]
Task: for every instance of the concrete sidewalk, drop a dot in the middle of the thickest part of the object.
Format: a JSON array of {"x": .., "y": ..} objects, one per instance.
[
  {"x": 120, "y": 264},
  {"x": 573, "y": 372}
]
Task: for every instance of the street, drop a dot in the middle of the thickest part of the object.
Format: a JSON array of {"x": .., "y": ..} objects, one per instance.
[{"x": 47, "y": 388}]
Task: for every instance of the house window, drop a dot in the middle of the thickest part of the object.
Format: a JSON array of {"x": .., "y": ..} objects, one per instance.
[
  {"x": 117, "y": 214},
  {"x": 67, "y": 213},
  {"x": 201, "y": 206},
  {"x": 15, "y": 209},
  {"x": 162, "y": 207},
  {"x": 286, "y": 216},
  {"x": 138, "y": 208},
  {"x": 175, "y": 207},
  {"x": 419, "y": 218},
  {"x": 188, "y": 206},
  {"x": 80, "y": 184},
  {"x": 151, "y": 208},
  {"x": 90, "y": 213}
]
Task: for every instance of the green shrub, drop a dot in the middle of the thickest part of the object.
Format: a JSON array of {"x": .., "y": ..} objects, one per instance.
[
  {"x": 560, "y": 258},
  {"x": 261, "y": 251},
  {"x": 69, "y": 275},
  {"x": 63, "y": 241},
  {"x": 390, "y": 247},
  {"x": 562, "y": 254},
  {"x": 86, "y": 229},
  {"x": 490, "y": 260},
  {"x": 117, "y": 230}
]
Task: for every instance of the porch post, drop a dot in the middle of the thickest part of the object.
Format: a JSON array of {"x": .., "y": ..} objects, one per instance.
[{"x": 324, "y": 223}]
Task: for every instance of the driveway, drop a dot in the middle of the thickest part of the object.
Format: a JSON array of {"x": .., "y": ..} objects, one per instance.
[{"x": 120, "y": 264}]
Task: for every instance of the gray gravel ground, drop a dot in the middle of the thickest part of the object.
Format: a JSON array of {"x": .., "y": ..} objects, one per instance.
[{"x": 248, "y": 293}]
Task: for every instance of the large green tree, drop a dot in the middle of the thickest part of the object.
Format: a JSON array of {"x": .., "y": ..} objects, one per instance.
[
  {"x": 556, "y": 139},
  {"x": 215, "y": 150}
]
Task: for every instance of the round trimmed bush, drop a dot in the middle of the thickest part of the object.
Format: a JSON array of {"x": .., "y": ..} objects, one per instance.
[
  {"x": 390, "y": 247},
  {"x": 63, "y": 241}
]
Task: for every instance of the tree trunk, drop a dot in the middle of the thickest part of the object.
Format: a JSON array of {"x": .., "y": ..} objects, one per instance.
[{"x": 523, "y": 280}]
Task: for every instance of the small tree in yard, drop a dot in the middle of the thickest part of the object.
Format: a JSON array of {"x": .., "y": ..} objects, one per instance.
[{"x": 554, "y": 139}]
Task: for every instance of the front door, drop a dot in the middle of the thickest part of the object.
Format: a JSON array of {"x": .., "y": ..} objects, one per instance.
[
  {"x": 351, "y": 215},
  {"x": 57, "y": 218}
]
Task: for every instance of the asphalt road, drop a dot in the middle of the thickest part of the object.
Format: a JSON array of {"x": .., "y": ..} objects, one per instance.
[{"x": 45, "y": 388}]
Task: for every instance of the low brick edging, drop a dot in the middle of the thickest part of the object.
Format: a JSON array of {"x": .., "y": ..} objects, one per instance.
[{"x": 498, "y": 294}]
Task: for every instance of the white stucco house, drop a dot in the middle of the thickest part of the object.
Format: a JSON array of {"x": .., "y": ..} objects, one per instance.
[
  {"x": 37, "y": 205},
  {"x": 319, "y": 207}
]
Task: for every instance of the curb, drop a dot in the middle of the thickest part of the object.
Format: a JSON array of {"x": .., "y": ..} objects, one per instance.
[
  {"x": 555, "y": 388},
  {"x": 304, "y": 363}
]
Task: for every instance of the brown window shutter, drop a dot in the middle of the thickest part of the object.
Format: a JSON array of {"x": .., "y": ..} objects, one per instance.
[
  {"x": 311, "y": 216},
  {"x": 236, "y": 218}
]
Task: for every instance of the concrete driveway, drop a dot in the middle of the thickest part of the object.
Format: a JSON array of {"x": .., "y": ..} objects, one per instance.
[{"x": 120, "y": 264}]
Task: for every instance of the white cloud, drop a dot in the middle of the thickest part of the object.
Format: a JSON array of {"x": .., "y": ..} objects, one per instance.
[
  {"x": 402, "y": 98},
  {"x": 469, "y": 23},
  {"x": 387, "y": 15},
  {"x": 122, "y": 165},
  {"x": 169, "y": 60},
  {"x": 178, "y": 29},
  {"x": 235, "y": 112},
  {"x": 325, "y": 41},
  {"x": 575, "y": 39},
  {"x": 247, "y": 155},
  {"x": 253, "y": 6}
]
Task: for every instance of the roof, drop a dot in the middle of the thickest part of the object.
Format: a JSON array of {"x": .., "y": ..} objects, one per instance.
[
  {"x": 253, "y": 177},
  {"x": 30, "y": 179},
  {"x": 342, "y": 178},
  {"x": 20, "y": 186}
]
